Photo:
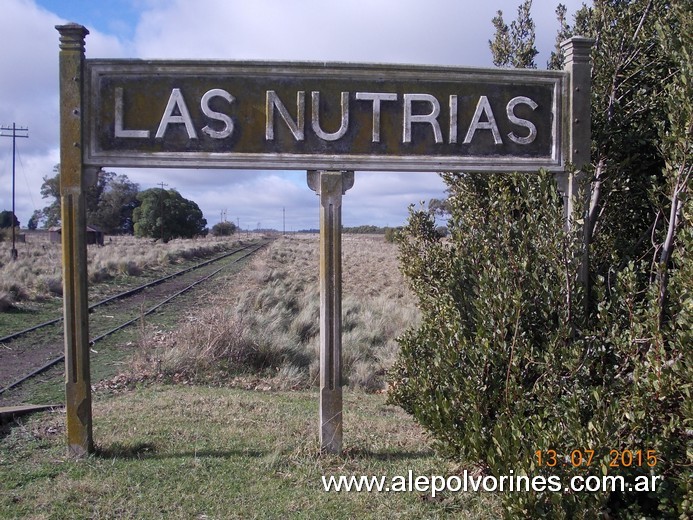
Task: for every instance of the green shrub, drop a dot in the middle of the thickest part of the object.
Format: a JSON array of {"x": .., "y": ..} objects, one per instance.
[
  {"x": 506, "y": 363},
  {"x": 391, "y": 234},
  {"x": 223, "y": 229}
]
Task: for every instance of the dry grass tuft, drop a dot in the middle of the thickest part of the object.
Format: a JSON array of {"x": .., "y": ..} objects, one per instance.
[
  {"x": 265, "y": 322},
  {"x": 37, "y": 273}
]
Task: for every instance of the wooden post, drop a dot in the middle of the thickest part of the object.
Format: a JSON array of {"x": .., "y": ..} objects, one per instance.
[
  {"x": 571, "y": 184},
  {"x": 73, "y": 215},
  {"x": 330, "y": 186}
]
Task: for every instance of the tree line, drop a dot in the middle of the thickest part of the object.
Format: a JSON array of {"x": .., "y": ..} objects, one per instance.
[{"x": 116, "y": 206}]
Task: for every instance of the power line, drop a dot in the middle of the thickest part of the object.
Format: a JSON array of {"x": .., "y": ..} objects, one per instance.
[{"x": 16, "y": 132}]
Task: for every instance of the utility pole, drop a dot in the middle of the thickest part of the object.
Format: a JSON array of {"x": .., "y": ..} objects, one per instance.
[
  {"x": 16, "y": 132},
  {"x": 161, "y": 209},
  {"x": 283, "y": 221}
]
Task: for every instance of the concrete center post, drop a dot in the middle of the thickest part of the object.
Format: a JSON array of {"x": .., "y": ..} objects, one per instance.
[{"x": 330, "y": 186}]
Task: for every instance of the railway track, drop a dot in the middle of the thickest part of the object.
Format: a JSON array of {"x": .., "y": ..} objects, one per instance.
[
  {"x": 127, "y": 293},
  {"x": 162, "y": 290}
]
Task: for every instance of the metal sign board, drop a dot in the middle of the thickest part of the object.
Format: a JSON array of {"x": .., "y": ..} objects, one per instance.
[{"x": 311, "y": 116}]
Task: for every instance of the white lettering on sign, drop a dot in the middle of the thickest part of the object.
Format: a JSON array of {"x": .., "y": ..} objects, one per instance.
[
  {"x": 427, "y": 113},
  {"x": 453, "y": 119},
  {"x": 430, "y": 118},
  {"x": 218, "y": 116},
  {"x": 376, "y": 98},
  {"x": 119, "y": 130},
  {"x": 483, "y": 107},
  {"x": 344, "y": 125},
  {"x": 176, "y": 101},
  {"x": 510, "y": 109},
  {"x": 296, "y": 127}
]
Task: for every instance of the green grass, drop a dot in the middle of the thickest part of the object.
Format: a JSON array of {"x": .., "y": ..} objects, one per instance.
[
  {"x": 29, "y": 313},
  {"x": 195, "y": 452}
]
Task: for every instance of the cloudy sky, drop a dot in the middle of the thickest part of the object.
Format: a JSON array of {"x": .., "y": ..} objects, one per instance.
[{"x": 430, "y": 32}]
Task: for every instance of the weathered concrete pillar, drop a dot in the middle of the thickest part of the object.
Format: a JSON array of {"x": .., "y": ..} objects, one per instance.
[
  {"x": 330, "y": 186},
  {"x": 577, "y": 63},
  {"x": 73, "y": 215}
]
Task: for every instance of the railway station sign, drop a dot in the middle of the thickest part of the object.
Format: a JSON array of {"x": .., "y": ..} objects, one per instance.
[
  {"x": 305, "y": 116},
  {"x": 327, "y": 118}
]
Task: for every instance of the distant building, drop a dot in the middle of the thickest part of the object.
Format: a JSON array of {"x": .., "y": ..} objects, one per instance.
[{"x": 94, "y": 235}]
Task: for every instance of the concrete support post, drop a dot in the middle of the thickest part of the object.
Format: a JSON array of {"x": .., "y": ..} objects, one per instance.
[
  {"x": 577, "y": 63},
  {"x": 73, "y": 215},
  {"x": 330, "y": 186}
]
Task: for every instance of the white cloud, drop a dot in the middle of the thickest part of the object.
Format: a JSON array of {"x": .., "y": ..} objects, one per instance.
[
  {"x": 261, "y": 200},
  {"x": 450, "y": 32},
  {"x": 447, "y": 32},
  {"x": 29, "y": 97},
  {"x": 385, "y": 197}
]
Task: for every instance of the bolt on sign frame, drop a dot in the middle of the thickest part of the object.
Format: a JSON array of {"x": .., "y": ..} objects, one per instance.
[{"x": 328, "y": 119}]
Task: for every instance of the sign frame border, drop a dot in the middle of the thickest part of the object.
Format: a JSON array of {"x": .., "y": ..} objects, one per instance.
[{"x": 96, "y": 68}]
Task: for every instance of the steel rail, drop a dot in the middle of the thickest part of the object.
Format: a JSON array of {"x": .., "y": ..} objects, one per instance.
[
  {"x": 61, "y": 358},
  {"x": 127, "y": 293}
]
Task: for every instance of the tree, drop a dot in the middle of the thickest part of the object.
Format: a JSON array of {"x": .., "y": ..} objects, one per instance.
[
  {"x": 38, "y": 219},
  {"x": 515, "y": 46},
  {"x": 438, "y": 207},
  {"x": 501, "y": 47},
  {"x": 223, "y": 229},
  {"x": 118, "y": 200},
  {"x": 676, "y": 146},
  {"x": 640, "y": 112},
  {"x": 34, "y": 220},
  {"x": 498, "y": 306},
  {"x": 506, "y": 355},
  {"x": 8, "y": 219},
  {"x": 165, "y": 214},
  {"x": 628, "y": 99},
  {"x": 581, "y": 27},
  {"x": 50, "y": 189},
  {"x": 109, "y": 202}
]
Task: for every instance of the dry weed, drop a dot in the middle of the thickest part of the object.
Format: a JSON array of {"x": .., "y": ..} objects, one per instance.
[
  {"x": 266, "y": 321},
  {"x": 37, "y": 273}
]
